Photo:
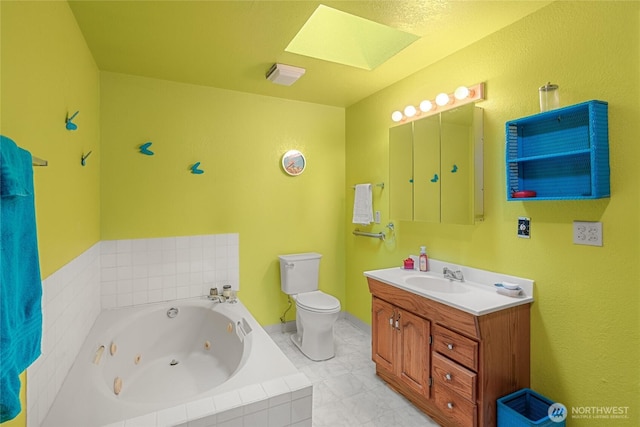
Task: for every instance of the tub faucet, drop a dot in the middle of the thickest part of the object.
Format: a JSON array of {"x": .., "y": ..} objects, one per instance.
[
  {"x": 453, "y": 275},
  {"x": 217, "y": 298}
]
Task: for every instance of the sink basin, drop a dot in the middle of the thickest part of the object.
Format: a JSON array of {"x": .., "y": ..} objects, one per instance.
[{"x": 436, "y": 284}]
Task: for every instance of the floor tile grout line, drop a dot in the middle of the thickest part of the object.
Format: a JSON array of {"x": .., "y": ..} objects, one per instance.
[{"x": 346, "y": 390}]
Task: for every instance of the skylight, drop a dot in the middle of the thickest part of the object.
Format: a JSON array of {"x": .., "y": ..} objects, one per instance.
[{"x": 336, "y": 36}]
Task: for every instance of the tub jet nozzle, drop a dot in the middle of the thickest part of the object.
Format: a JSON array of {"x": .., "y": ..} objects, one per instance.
[{"x": 98, "y": 355}]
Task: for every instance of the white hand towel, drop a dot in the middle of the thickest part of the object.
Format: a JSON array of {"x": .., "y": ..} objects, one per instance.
[
  {"x": 511, "y": 292},
  {"x": 363, "y": 205}
]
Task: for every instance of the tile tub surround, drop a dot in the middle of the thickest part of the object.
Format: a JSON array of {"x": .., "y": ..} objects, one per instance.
[
  {"x": 70, "y": 305},
  {"x": 119, "y": 273},
  {"x": 141, "y": 271},
  {"x": 283, "y": 402}
]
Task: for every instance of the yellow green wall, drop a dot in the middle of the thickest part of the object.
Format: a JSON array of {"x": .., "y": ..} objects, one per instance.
[
  {"x": 46, "y": 72},
  {"x": 585, "y": 320},
  {"x": 239, "y": 139}
]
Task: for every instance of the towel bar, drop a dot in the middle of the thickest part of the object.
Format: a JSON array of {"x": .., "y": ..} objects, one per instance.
[
  {"x": 37, "y": 161},
  {"x": 379, "y": 235},
  {"x": 380, "y": 184}
]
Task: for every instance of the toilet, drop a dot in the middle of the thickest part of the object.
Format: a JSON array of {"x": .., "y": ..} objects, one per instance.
[{"x": 316, "y": 312}]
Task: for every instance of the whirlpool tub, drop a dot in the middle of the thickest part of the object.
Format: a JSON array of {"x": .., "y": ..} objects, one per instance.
[{"x": 151, "y": 363}]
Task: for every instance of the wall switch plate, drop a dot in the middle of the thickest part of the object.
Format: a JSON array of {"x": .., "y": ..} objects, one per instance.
[
  {"x": 377, "y": 217},
  {"x": 587, "y": 233},
  {"x": 524, "y": 227}
]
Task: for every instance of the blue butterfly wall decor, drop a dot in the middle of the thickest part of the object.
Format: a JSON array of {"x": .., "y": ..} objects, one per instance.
[
  {"x": 69, "y": 123},
  {"x": 144, "y": 149},
  {"x": 195, "y": 170}
]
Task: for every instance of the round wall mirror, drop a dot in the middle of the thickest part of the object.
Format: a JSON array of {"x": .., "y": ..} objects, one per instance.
[{"x": 293, "y": 162}]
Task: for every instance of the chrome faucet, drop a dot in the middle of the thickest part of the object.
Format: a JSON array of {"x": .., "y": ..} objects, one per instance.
[
  {"x": 217, "y": 298},
  {"x": 213, "y": 296},
  {"x": 453, "y": 275}
]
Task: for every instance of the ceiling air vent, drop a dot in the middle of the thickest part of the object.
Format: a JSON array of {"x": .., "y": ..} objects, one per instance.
[{"x": 285, "y": 75}]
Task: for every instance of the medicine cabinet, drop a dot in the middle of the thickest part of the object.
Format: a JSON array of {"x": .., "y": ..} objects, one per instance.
[{"x": 436, "y": 168}]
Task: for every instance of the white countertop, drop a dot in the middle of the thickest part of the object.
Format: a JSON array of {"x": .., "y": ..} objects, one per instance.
[{"x": 476, "y": 295}]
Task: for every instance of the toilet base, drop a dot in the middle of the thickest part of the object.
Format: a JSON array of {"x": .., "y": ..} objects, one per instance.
[{"x": 313, "y": 352}]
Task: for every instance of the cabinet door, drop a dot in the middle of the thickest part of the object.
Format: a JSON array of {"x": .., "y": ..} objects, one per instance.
[
  {"x": 426, "y": 169},
  {"x": 414, "y": 352},
  {"x": 382, "y": 334},
  {"x": 401, "y": 172},
  {"x": 457, "y": 137}
]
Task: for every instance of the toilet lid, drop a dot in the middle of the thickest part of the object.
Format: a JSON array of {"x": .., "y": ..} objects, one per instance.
[{"x": 318, "y": 301}]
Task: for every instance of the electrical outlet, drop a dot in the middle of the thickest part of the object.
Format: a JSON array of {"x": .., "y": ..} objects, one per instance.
[
  {"x": 524, "y": 227},
  {"x": 587, "y": 233},
  {"x": 377, "y": 217}
]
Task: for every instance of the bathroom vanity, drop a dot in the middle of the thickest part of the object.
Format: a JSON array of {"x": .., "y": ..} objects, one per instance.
[{"x": 451, "y": 348}]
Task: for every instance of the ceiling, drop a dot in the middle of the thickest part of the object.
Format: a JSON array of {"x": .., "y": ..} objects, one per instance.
[{"x": 232, "y": 44}]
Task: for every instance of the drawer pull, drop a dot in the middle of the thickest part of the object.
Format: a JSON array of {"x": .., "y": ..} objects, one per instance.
[
  {"x": 447, "y": 377},
  {"x": 450, "y": 346},
  {"x": 450, "y": 405}
]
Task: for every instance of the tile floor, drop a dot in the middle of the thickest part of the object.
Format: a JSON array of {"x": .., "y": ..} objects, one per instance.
[{"x": 346, "y": 390}]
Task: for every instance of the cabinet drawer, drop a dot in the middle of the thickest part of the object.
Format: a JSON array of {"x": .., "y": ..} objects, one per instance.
[
  {"x": 453, "y": 345},
  {"x": 455, "y": 407},
  {"x": 454, "y": 377}
]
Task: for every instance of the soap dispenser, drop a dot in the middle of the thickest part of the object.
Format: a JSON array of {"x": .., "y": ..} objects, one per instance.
[{"x": 423, "y": 260}]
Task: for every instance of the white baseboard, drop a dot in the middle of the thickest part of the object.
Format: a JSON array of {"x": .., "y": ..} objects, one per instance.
[
  {"x": 357, "y": 322},
  {"x": 290, "y": 326}
]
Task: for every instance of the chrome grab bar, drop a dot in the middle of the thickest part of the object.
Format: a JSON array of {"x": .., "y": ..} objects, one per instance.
[{"x": 379, "y": 235}]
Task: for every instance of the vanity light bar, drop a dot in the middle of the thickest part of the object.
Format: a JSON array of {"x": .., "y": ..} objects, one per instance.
[{"x": 443, "y": 102}]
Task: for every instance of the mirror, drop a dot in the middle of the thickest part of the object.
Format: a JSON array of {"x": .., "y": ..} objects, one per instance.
[{"x": 435, "y": 169}]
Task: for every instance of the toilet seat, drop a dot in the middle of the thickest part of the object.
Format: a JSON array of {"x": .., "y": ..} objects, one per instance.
[{"x": 318, "y": 302}]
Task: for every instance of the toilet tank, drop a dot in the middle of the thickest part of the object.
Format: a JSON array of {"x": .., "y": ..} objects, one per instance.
[{"x": 299, "y": 272}]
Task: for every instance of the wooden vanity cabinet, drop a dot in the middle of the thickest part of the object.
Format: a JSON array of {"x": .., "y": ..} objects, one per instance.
[
  {"x": 451, "y": 364},
  {"x": 400, "y": 345}
]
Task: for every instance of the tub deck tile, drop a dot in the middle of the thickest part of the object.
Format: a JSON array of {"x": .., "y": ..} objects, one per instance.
[
  {"x": 226, "y": 401},
  {"x": 171, "y": 416},
  {"x": 200, "y": 408},
  {"x": 142, "y": 421}
]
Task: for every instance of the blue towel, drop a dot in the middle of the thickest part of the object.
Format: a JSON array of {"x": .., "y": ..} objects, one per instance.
[{"x": 20, "y": 283}]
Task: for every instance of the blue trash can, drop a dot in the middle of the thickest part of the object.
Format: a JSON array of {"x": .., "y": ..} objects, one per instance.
[{"x": 526, "y": 408}]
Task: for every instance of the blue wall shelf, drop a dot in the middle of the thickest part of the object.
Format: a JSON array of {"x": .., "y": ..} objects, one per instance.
[{"x": 561, "y": 154}]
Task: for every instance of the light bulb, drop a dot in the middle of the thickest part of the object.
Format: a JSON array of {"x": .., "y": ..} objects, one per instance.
[
  {"x": 426, "y": 105},
  {"x": 442, "y": 99},
  {"x": 462, "y": 92},
  {"x": 396, "y": 116},
  {"x": 410, "y": 111}
]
